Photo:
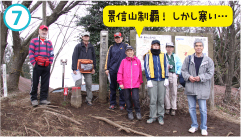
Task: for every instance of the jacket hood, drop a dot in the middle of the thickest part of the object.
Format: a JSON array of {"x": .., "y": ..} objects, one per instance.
[{"x": 129, "y": 58}]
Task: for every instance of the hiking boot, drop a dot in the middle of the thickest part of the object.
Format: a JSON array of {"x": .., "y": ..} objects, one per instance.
[
  {"x": 167, "y": 111},
  {"x": 204, "y": 132},
  {"x": 88, "y": 103},
  {"x": 34, "y": 103},
  {"x": 138, "y": 116},
  {"x": 151, "y": 120},
  {"x": 173, "y": 112},
  {"x": 112, "y": 107},
  {"x": 160, "y": 120},
  {"x": 192, "y": 130},
  {"x": 130, "y": 116},
  {"x": 44, "y": 102},
  {"x": 122, "y": 108}
]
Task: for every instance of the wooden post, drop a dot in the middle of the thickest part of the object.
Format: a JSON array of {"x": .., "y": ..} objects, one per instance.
[
  {"x": 211, "y": 97},
  {"x": 5, "y": 90},
  {"x": 102, "y": 75},
  {"x": 44, "y": 13}
]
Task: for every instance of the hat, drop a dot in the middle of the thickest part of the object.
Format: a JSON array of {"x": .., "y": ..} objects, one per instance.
[
  {"x": 155, "y": 42},
  {"x": 86, "y": 34},
  {"x": 170, "y": 44},
  {"x": 118, "y": 34},
  {"x": 129, "y": 47},
  {"x": 43, "y": 27}
]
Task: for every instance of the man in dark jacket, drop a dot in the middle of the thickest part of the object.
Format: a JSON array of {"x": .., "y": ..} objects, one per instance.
[
  {"x": 84, "y": 50},
  {"x": 114, "y": 57}
]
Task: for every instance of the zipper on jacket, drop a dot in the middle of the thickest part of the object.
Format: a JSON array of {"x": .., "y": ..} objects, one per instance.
[
  {"x": 131, "y": 73},
  {"x": 158, "y": 68}
]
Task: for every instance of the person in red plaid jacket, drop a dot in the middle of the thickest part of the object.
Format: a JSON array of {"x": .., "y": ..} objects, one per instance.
[{"x": 41, "y": 57}]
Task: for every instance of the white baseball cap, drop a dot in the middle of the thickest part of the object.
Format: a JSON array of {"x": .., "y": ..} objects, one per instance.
[{"x": 86, "y": 34}]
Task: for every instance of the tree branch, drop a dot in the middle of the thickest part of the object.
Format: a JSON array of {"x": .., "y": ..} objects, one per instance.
[
  {"x": 35, "y": 6},
  {"x": 72, "y": 6},
  {"x": 26, "y": 3},
  {"x": 51, "y": 6}
]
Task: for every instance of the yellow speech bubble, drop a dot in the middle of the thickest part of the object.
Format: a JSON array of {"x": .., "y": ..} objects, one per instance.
[{"x": 167, "y": 16}]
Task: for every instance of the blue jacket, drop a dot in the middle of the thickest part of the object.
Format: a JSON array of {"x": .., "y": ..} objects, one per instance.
[
  {"x": 178, "y": 64},
  {"x": 115, "y": 55},
  {"x": 157, "y": 68}
]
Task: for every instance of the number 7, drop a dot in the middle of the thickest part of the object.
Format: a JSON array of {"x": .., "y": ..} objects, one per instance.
[{"x": 18, "y": 17}]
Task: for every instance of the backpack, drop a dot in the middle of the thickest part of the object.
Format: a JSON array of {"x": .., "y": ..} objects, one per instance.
[{"x": 180, "y": 78}]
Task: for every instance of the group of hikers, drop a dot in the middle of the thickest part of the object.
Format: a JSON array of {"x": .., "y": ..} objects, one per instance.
[{"x": 125, "y": 73}]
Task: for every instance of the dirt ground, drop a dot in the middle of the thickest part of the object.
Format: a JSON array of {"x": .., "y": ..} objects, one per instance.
[{"x": 19, "y": 118}]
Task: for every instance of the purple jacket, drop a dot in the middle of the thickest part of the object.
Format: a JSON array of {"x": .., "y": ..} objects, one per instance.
[{"x": 130, "y": 73}]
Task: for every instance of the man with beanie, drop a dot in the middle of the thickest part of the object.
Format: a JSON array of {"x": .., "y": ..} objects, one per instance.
[{"x": 156, "y": 69}]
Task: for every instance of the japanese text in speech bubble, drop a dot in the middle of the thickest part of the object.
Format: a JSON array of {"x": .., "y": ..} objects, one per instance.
[{"x": 167, "y": 16}]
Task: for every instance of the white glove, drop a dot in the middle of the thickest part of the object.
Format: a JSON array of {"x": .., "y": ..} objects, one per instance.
[
  {"x": 149, "y": 84},
  {"x": 166, "y": 82}
]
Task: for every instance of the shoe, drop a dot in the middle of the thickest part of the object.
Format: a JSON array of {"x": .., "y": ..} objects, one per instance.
[
  {"x": 130, "y": 116},
  {"x": 173, "y": 112},
  {"x": 151, "y": 120},
  {"x": 122, "y": 108},
  {"x": 88, "y": 103},
  {"x": 138, "y": 116},
  {"x": 167, "y": 111},
  {"x": 204, "y": 132},
  {"x": 34, "y": 103},
  {"x": 193, "y": 130},
  {"x": 160, "y": 120},
  {"x": 44, "y": 102},
  {"x": 112, "y": 107}
]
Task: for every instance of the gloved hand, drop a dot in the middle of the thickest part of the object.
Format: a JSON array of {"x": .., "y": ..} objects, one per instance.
[
  {"x": 166, "y": 82},
  {"x": 149, "y": 84}
]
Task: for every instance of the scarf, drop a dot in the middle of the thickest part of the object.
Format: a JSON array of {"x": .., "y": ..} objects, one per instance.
[{"x": 155, "y": 51}]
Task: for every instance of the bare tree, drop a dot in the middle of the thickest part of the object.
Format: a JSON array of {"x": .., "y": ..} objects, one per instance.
[
  {"x": 232, "y": 42},
  {"x": 66, "y": 36},
  {"x": 20, "y": 51}
]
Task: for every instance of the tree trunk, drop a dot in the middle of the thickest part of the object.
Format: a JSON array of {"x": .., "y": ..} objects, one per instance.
[
  {"x": 231, "y": 59},
  {"x": 19, "y": 55},
  {"x": 4, "y": 31},
  {"x": 15, "y": 69}
]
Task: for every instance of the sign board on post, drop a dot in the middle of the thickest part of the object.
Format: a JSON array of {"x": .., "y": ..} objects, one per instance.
[
  {"x": 143, "y": 44},
  {"x": 5, "y": 90},
  {"x": 185, "y": 46}
]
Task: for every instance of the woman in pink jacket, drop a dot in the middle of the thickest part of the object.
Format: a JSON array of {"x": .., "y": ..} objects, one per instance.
[{"x": 129, "y": 78}]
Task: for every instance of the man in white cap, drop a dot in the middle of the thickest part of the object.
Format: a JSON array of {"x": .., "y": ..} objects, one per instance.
[
  {"x": 174, "y": 67},
  {"x": 84, "y": 50}
]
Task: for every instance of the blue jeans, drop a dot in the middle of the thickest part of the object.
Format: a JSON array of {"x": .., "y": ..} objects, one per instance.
[{"x": 192, "y": 111}]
